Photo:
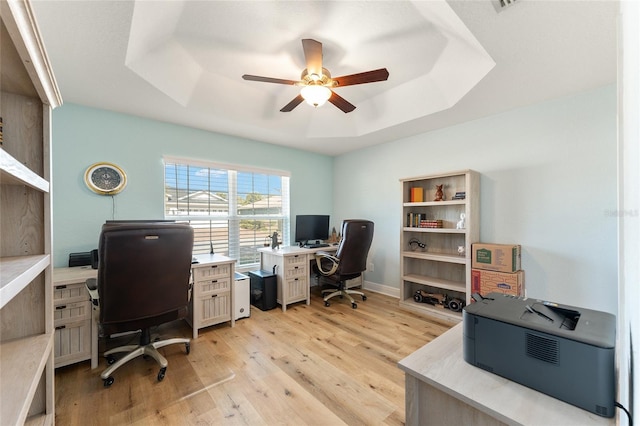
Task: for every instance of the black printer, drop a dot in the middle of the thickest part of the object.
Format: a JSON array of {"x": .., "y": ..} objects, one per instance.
[{"x": 563, "y": 351}]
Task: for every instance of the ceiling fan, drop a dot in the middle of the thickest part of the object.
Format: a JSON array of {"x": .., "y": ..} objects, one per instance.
[{"x": 317, "y": 83}]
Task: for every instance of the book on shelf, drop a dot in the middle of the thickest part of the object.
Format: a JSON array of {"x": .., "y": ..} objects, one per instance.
[
  {"x": 419, "y": 220},
  {"x": 459, "y": 195},
  {"x": 431, "y": 223}
]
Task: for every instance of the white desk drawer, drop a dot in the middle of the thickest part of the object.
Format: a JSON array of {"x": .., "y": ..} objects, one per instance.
[
  {"x": 295, "y": 272},
  {"x": 70, "y": 292},
  {"x": 295, "y": 289},
  {"x": 214, "y": 285},
  {"x": 214, "y": 309},
  {"x": 72, "y": 342},
  {"x": 212, "y": 271},
  {"x": 69, "y": 312},
  {"x": 298, "y": 260}
]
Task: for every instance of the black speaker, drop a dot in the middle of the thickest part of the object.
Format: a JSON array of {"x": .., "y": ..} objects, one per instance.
[{"x": 263, "y": 289}]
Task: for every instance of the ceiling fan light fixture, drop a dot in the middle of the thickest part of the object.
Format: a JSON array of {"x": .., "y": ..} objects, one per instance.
[{"x": 315, "y": 95}]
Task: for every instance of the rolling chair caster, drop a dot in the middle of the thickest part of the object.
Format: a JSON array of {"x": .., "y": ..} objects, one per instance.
[
  {"x": 354, "y": 305},
  {"x": 108, "y": 381},
  {"x": 161, "y": 373},
  {"x": 327, "y": 304}
]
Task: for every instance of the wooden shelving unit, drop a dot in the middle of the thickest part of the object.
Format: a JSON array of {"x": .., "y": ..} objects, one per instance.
[
  {"x": 28, "y": 92},
  {"x": 438, "y": 268}
]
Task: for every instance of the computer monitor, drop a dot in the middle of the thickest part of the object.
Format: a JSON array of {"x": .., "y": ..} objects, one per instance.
[{"x": 311, "y": 227}]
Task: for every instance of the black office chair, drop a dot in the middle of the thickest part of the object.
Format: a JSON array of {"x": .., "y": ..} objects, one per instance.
[
  {"x": 348, "y": 262},
  {"x": 143, "y": 281}
]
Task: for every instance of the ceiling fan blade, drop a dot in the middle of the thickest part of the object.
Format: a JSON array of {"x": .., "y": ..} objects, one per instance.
[
  {"x": 294, "y": 103},
  {"x": 312, "y": 55},
  {"x": 364, "y": 77},
  {"x": 341, "y": 102},
  {"x": 268, "y": 79}
]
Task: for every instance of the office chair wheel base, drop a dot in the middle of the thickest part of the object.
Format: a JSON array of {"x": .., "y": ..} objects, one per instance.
[
  {"x": 108, "y": 381},
  {"x": 161, "y": 373},
  {"x": 187, "y": 348},
  {"x": 364, "y": 298},
  {"x": 110, "y": 360},
  {"x": 327, "y": 304},
  {"x": 354, "y": 305}
]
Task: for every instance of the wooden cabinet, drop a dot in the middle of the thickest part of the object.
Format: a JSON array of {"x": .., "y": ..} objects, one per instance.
[
  {"x": 292, "y": 271},
  {"x": 27, "y": 93},
  {"x": 212, "y": 292},
  {"x": 435, "y": 254},
  {"x": 75, "y": 328}
]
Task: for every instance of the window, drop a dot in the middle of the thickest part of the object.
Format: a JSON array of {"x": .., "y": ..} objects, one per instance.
[{"x": 233, "y": 211}]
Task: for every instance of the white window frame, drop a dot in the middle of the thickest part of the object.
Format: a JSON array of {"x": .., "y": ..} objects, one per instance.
[{"x": 232, "y": 218}]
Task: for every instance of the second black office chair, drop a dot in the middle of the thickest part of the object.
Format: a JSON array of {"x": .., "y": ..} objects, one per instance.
[
  {"x": 349, "y": 261},
  {"x": 143, "y": 281}
]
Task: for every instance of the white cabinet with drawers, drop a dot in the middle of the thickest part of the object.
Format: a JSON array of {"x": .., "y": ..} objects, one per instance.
[
  {"x": 72, "y": 317},
  {"x": 212, "y": 292}
]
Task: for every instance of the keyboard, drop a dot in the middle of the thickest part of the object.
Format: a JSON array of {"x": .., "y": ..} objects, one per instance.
[{"x": 317, "y": 245}]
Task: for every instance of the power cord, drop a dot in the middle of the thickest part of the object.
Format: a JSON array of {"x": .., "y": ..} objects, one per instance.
[{"x": 626, "y": 411}]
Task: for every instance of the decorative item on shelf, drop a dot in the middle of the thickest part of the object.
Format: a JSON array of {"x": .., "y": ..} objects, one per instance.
[
  {"x": 274, "y": 241},
  {"x": 439, "y": 193},
  {"x": 105, "y": 178},
  {"x": 461, "y": 195},
  {"x": 416, "y": 195},
  {"x": 460, "y": 224},
  {"x": 334, "y": 236},
  {"x": 461, "y": 250},
  {"x": 440, "y": 300},
  {"x": 415, "y": 243}
]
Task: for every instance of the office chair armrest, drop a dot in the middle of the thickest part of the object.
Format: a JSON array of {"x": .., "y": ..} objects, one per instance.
[
  {"x": 323, "y": 255},
  {"x": 92, "y": 288}
]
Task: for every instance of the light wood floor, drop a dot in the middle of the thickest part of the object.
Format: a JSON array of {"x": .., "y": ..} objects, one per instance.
[{"x": 312, "y": 365}]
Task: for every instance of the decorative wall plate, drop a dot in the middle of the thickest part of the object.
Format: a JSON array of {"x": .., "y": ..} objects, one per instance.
[{"x": 105, "y": 178}]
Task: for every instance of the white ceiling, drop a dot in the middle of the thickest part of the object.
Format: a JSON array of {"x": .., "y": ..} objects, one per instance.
[{"x": 449, "y": 62}]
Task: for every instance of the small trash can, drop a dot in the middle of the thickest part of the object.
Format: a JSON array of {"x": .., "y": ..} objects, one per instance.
[{"x": 264, "y": 289}]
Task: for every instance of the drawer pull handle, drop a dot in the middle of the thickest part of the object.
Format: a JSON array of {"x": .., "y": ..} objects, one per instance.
[
  {"x": 214, "y": 266},
  {"x": 296, "y": 267},
  {"x": 214, "y": 295},
  {"x": 60, "y": 327},
  {"x": 214, "y": 281},
  {"x": 61, "y": 287},
  {"x": 296, "y": 279},
  {"x": 61, "y": 307}
]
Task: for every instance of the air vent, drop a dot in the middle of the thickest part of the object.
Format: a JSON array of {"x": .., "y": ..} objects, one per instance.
[
  {"x": 501, "y": 5},
  {"x": 542, "y": 348},
  {"x": 602, "y": 411}
]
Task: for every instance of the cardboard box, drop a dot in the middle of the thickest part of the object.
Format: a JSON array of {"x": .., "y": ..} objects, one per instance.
[
  {"x": 496, "y": 257},
  {"x": 485, "y": 282}
]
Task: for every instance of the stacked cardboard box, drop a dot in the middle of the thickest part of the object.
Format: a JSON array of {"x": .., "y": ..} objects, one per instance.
[{"x": 496, "y": 268}]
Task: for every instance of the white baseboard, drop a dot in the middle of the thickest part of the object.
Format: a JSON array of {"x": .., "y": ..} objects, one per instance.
[{"x": 383, "y": 289}]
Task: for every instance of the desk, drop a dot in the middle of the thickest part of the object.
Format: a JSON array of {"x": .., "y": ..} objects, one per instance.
[
  {"x": 441, "y": 388},
  {"x": 212, "y": 292},
  {"x": 292, "y": 271},
  {"x": 76, "y": 323}
]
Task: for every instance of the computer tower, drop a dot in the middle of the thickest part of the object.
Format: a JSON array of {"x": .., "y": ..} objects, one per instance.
[
  {"x": 241, "y": 305},
  {"x": 264, "y": 289}
]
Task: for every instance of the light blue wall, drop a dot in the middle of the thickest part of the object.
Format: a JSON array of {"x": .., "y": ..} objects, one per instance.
[
  {"x": 548, "y": 182},
  {"x": 83, "y": 136}
]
